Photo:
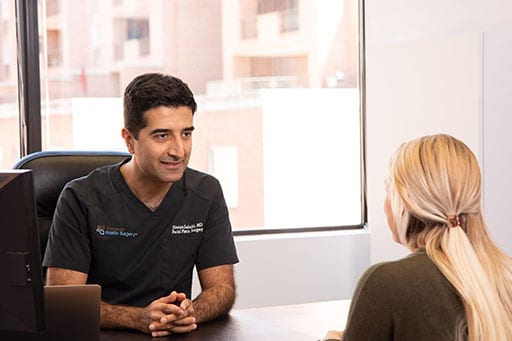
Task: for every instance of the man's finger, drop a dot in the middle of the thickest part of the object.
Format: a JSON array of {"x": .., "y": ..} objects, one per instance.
[
  {"x": 159, "y": 333},
  {"x": 184, "y": 329},
  {"x": 172, "y": 309},
  {"x": 185, "y": 321}
]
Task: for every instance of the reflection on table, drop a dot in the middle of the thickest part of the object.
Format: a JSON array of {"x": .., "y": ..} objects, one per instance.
[{"x": 296, "y": 322}]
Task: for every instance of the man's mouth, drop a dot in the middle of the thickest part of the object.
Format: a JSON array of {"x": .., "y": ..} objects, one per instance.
[{"x": 171, "y": 163}]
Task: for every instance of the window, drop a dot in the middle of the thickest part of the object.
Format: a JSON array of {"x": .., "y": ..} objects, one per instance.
[
  {"x": 277, "y": 84},
  {"x": 137, "y": 28},
  {"x": 266, "y": 6},
  {"x": 9, "y": 118}
]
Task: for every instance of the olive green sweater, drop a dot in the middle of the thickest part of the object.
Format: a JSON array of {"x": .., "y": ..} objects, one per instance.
[{"x": 408, "y": 299}]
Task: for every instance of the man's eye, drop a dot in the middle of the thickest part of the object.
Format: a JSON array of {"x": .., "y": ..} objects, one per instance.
[
  {"x": 161, "y": 136},
  {"x": 187, "y": 134}
]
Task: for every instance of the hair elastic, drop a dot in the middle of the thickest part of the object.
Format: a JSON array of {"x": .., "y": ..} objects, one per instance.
[
  {"x": 453, "y": 220},
  {"x": 456, "y": 220}
]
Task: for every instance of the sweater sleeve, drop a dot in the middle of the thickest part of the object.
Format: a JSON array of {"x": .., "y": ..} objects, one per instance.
[{"x": 370, "y": 315}]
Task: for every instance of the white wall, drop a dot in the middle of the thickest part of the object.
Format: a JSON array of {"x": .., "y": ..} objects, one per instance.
[
  {"x": 497, "y": 147},
  {"x": 425, "y": 74},
  {"x": 298, "y": 267}
]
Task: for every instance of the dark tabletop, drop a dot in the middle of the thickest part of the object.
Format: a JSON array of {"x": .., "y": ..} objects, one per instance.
[{"x": 297, "y": 322}]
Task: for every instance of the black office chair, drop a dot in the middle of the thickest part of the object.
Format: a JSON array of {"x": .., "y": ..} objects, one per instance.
[{"x": 52, "y": 170}]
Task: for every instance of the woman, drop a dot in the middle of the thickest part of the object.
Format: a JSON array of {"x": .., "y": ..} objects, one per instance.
[{"x": 456, "y": 284}]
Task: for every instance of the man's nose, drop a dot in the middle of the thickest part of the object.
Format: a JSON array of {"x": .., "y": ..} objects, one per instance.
[{"x": 176, "y": 148}]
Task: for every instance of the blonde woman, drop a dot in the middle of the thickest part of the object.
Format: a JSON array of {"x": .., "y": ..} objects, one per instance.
[{"x": 456, "y": 284}]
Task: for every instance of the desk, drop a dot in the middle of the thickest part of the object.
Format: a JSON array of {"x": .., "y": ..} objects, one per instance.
[{"x": 297, "y": 322}]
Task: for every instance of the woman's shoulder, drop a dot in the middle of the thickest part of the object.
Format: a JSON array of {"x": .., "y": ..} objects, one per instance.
[
  {"x": 416, "y": 264},
  {"x": 409, "y": 296}
]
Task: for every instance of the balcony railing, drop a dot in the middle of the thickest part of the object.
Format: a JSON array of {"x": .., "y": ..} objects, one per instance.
[
  {"x": 54, "y": 58},
  {"x": 144, "y": 49},
  {"x": 289, "y": 20},
  {"x": 248, "y": 28},
  {"x": 52, "y": 7},
  {"x": 118, "y": 51},
  {"x": 131, "y": 49},
  {"x": 252, "y": 84}
]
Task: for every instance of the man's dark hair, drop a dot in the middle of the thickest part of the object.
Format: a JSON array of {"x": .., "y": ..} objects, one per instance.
[{"x": 151, "y": 90}]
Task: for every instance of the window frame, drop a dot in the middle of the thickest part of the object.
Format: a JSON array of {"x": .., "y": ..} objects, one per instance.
[{"x": 29, "y": 88}]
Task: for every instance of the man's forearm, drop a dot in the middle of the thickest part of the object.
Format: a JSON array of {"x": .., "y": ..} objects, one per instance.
[
  {"x": 163, "y": 316},
  {"x": 214, "y": 302},
  {"x": 120, "y": 317}
]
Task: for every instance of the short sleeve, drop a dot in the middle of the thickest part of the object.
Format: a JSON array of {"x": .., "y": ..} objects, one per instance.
[
  {"x": 68, "y": 244},
  {"x": 217, "y": 246}
]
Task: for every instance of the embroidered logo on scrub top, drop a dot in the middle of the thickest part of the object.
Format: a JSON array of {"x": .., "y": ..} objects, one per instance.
[
  {"x": 187, "y": 228},
  {"x": 103, "y": 230}
]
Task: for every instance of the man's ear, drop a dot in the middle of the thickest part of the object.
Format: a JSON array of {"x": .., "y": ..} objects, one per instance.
[{"x": 128, "y": 139}]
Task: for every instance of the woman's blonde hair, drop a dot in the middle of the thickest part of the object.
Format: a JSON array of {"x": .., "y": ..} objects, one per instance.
[{"x": 435, "y": 193}]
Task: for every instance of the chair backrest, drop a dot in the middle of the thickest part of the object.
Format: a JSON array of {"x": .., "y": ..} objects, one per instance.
[{"x": 52, "y": 170}]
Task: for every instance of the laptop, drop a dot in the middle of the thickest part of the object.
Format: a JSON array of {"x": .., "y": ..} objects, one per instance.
[{"x": 72, "y": 313}]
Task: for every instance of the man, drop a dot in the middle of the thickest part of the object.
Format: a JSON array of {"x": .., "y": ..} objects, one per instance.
[{"x": 138, "y": 228}]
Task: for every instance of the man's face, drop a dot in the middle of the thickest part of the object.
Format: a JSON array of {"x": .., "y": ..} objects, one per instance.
[{"x": 162, "y": 150}]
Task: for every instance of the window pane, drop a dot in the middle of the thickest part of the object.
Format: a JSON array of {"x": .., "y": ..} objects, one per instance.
[
  {"x": 276, "y": 81},
  {"x": 9, "y": 118}
]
